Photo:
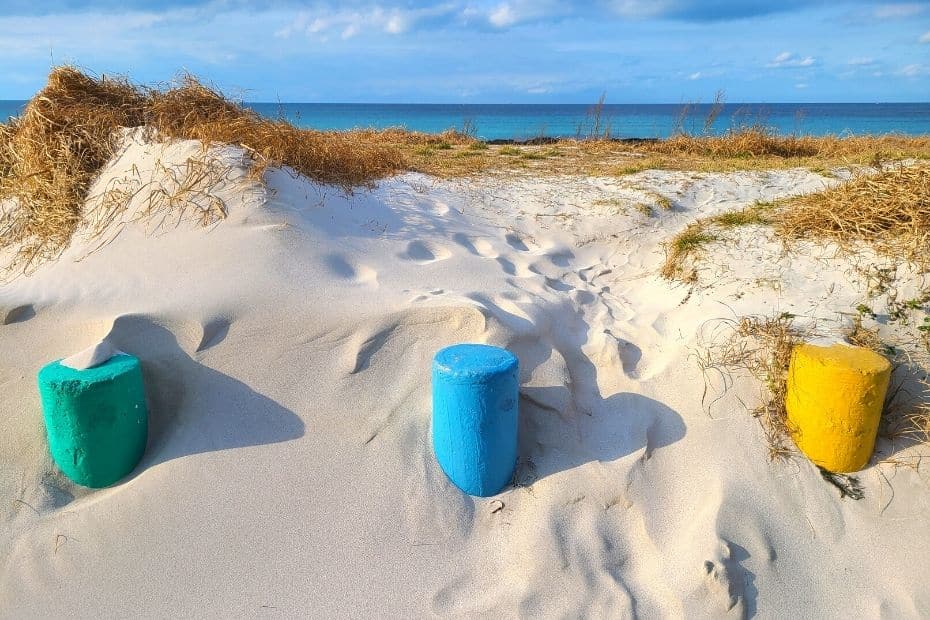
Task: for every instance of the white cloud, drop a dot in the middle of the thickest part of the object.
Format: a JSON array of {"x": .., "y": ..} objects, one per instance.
[
  {"x": 861, "y": 62},
  {"x": 502, "y": 16},
  {"x": 513, "y": 12},
  {"x": 641, "y": 9},
  {"x": 350, "y": 31},
  {"x": 695, "y": 76},
  {"x": 396, "y": 24},
  {"x": 65, "y": 37},
  {"x": 925, "y": 38},
  {"x": 372, "y": 17},
  {"x": 914, "y": 70},
  {"x": 800, "y": 85},
  {"x": 789, "y": 59},
  {"x": 899, "y": 11}
]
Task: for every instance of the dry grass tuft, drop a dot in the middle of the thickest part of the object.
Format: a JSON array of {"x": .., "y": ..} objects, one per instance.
[
  {"x": 889, "y": 211},
  {"x": 53, "y": 151},
  {"x": 681, "y": 251},
  {"x": 50, "y": 155},
  {"x": 760, "y": 346},
  {"x": 745, "y": 143},
  {"x": 760, "y": 145},
  {"x": 866, "y": 337},
  {"x": 348, "y": 159},
  {"x": 684, "y": 249}
]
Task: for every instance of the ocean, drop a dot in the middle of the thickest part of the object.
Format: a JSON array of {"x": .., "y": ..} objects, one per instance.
[{"x": 525, "y": 121}]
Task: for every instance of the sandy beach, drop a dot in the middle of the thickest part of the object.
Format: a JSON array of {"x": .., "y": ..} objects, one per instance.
[
  {"x": 286, "y": 350},
  {"x": 286, "y": 315}
]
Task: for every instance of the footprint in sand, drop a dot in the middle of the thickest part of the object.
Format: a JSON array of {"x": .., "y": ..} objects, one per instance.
[
  {"x": 478, "y": 247},
  {"x": 584, "y": 298},
  {"x": 508, "y": 267},
  {"x": 422, "y": 252},
  {"x": 516, "y": 242},
  {"x": 518, "y": 268},
  {"x": 340, "y": 267},
  {"x": 561, "y": 258},
  {"x": 19, "y": 314},
  {"x": 431, "y": 294},
  {"x": 558, "y": 285}
]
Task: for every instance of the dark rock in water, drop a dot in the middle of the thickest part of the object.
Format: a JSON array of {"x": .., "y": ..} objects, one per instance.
[{"x": 543, "y": 140}]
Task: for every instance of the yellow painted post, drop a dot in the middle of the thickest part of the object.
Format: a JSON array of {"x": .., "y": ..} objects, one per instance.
[{"x": 834, "y": 403}]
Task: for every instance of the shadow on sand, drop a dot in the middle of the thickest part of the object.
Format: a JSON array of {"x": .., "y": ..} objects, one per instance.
[
  {"x": 618, "y": 426},
  {"x": 565, "y": 426},
  {"x": 192, "y": 408}
]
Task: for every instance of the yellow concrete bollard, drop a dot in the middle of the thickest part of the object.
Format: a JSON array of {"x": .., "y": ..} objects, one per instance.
[{"x": 834, "y": 403}]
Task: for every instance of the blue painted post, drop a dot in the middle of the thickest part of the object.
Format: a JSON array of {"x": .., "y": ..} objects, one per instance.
[{"x": 475, "y": 395}]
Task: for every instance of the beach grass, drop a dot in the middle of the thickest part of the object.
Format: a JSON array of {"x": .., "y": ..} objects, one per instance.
[
  {"x": 888, "y": 211},
  {"x": 760, "y": 346},
  {"x": 745, "y": 149},
  {"x": 50, "y": 155},
  {"x": 682, "y": 249}
]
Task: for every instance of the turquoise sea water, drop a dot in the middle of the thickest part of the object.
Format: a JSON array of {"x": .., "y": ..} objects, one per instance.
[{"x": 524, "y": 121}]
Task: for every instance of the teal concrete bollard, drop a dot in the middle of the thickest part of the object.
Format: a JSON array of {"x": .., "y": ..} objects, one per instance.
[
  {"x": 96, "y": 419},
  {"x": 476, "y": 390}
]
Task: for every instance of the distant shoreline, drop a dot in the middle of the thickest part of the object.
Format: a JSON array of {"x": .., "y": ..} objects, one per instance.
[{"x": 529, "y": 124}]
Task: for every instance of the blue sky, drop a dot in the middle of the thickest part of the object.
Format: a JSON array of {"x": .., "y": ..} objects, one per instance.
[{"x": 514, "y": 51}]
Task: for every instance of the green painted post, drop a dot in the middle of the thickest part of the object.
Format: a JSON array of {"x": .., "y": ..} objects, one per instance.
[{"x": 96, "y": 419}]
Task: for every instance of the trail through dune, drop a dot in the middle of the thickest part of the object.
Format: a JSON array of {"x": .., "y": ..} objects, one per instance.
[{"x": 286, "y": 352}]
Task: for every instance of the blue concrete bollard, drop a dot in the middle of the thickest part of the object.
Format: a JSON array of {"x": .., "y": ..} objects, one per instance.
[{"x": 476, "y": 390}]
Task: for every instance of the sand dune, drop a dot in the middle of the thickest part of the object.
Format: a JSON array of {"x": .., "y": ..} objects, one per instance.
[{"x": 286, "y": 353}]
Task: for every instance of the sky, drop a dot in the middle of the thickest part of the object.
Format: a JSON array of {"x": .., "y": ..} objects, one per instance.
[{"x": 474, "y": 51}]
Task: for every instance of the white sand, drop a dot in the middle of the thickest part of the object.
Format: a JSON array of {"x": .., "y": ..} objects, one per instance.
[
  {"x": 289, "y": 471},
  {"x": 94, "y": 355}
]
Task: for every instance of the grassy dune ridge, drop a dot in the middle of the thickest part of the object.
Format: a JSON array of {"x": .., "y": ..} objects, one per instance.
[
  {"x": 887, "y": 210},
  {"x": 50, "y": 155}
]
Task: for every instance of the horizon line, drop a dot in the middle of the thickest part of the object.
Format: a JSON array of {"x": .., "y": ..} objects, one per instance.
[{"x": 589, "y": 104}]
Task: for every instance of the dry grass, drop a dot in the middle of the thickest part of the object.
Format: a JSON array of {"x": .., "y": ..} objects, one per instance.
[
  {"x": 866, "y": 337},
  {"x": 53, "y": 151},
  {"x": 348, "y": 159},
  {"x": 757, "y": 148},
  {"x": 50, "y": 155},
  {"x": 889, "y": 211},
  {"x": 682, "y": 250},
  {"x": 756, "y": 142},
  {"x": 748, "y": 149},
  {"x": 760, "y": 346},
  {"x": 644, "y": 209},
  {"x": 172, "y": 194}
]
